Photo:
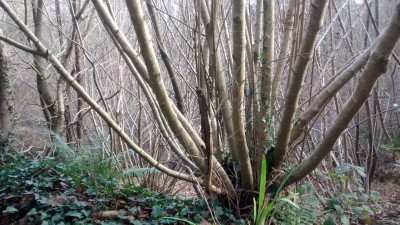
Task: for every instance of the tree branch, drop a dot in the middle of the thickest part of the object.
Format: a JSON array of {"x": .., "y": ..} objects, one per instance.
[
  {"x": 19, "y": 45},
  {"x": 376, "y": 66}
]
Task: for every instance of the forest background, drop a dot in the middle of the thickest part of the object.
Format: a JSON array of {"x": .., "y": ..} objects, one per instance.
[{"x": 200, "y": 91}]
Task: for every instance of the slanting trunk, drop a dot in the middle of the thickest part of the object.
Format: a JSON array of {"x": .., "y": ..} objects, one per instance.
[
  {"x": 166, "y": 60},
  {"x": 376, "y": 66},
  {"x": 6, "y": 100},
  {"x": 318, "y": 8},
  {"x": 327, "y": 94}
]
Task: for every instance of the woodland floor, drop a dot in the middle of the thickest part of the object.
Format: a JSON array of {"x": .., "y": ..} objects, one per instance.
[
  {"x": 57, "y": 194},
  {"x": 387, "y": 183}
]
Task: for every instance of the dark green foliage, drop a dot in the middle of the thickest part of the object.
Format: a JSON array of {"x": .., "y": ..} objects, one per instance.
[
  {"x": 392, "y": 146},
  {"x": 48, "y": 191}
]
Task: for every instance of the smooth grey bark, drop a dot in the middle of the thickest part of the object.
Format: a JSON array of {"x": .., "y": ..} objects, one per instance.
[
  {"x": 253, "y": 48},
  {"x": 156, "y": 82},
  {"x": 120, "y": 38},
  {"x": 283, "y": 55}
]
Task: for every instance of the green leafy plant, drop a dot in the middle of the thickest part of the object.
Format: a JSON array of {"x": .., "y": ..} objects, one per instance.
[
  {"x": 392, "y": 146},
  {"x": 355, "y": 206},
  {"x": 299, "y": 207},
  {"x": 296, "y": 208},
  {"x": 39, "y": 190},
  {"x": 72, "y": 186},
  {"x": 61, "y": 150},
  {"x": 260, "y": 212}
]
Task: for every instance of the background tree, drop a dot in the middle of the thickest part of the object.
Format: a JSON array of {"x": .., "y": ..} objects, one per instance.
[{"x": 6, "y": 99}]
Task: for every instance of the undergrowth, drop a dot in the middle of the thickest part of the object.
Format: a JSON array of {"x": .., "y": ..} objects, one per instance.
[
  {"x": 48, "y": 191},
  {"x": 82, "y": 187}
]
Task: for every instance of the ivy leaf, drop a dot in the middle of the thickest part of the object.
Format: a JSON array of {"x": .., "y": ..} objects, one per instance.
[
  {"x": 374, "y": 195},
  {"x": 91, "y": 191},
  {"x": 10, "y": 209},
  {"x": 345, "y": 220},
  {"x": 85, "y": 212},
  {"x": 198, "y": 218},
  {"x": 74, "y": 214},
  {"x": 218, "y": 211},
  {"x": 342, "y": 169},
  {"x": 157, "y": 212},
  {"x": 363, "y": 197},
  {"x": 338, "y": 208},
  {"x": 357, "y": 211}
]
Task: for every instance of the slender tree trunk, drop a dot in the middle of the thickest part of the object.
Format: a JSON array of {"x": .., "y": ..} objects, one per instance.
[
  {"x": 370, "y": 161},
  {"x": 283, "y": 55},
  {"x": 327, "y": 94},
  {"x": 239, "y": 66},
  {"x": 49, "y": 105},
  {"x": 78, "y": 74},
  {"x": 268, "y": 50},
  {"x": 253, "y": 61}
]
